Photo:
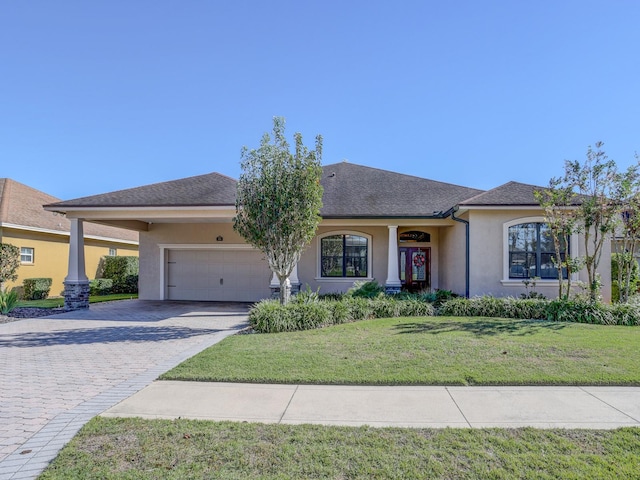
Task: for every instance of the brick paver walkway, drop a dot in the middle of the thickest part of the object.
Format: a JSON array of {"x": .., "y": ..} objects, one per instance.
[{"x": 58, "y": 372}]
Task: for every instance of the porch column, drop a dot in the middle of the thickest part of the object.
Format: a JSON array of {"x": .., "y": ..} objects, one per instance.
[
  {"x": 76, "y": 283},
  {"x": 393, "y": 285}
]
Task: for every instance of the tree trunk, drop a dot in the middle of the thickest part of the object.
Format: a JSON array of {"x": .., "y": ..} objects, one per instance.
[{"x": 285, "y": 290}]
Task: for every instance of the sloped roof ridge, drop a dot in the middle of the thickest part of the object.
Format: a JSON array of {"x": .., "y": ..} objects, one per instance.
[
  {"x": 507, "y": 189},
  {"x": 382, "y": 170},
  {"x": 210, "y": 189},
  {"x": 141, "y": 187}
]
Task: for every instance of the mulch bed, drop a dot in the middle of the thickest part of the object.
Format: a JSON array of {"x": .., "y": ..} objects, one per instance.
[{"x": 29, "y": 312}]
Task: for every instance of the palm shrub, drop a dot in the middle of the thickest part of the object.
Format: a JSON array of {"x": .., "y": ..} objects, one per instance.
[{"x": 8, "y": 301}]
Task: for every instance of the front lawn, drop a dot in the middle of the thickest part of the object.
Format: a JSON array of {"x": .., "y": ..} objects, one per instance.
[
  {"x": 427, "y": 351},
  {"x": 151, "y": 449}
]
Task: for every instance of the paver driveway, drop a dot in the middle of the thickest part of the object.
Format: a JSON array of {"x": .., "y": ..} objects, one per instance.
[{"x": 58, "y": 372}]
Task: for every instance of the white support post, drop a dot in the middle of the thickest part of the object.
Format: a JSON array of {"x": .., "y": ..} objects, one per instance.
[
  {"x": 393, "y": 284},
  {"x": 76, "y": 283}
]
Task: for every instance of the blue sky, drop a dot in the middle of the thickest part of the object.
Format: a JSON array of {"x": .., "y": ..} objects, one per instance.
[{"x": 103, "y": 95}]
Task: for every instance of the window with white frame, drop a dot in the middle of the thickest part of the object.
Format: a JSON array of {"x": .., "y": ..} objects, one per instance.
[
  {"x": 345, "y": 255},
  {"x": 113, "y": 252},
  {"x": 26, "y": 255},
  {"x": 531, "y": 251}
]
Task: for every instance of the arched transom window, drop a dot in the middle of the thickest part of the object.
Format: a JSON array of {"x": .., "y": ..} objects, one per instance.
[
  {"x": 344, "y": 255},
  {"x": 532, "y": 252}
]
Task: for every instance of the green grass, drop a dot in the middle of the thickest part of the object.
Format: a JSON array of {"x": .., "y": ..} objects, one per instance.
[
  {"x": 179, "y": 449},
  {"x": 427, "y": 351},
  {"x": 56, "y": 302}
]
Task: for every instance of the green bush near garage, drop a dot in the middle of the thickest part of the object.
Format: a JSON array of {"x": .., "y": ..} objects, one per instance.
[
  {"x": 123, "y": 272},
  {"x": 36, "y": 288},
  {"x": 100, "y": 286}
]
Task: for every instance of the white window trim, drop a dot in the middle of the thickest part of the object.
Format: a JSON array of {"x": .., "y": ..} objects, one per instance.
[
  {"x": 517, "y": 282},
  {"x": 32, "y": 255},
  {"x": 320, "y": 278}
]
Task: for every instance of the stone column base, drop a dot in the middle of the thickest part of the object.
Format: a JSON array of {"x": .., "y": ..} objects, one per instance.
[
  {"x": 392, "y": 289},
  {"x": 76, "y": 295},
  {"x": 275, "y": 290}
]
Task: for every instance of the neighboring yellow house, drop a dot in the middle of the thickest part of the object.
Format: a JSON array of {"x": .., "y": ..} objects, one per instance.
[{"x": 43, "y": 237}]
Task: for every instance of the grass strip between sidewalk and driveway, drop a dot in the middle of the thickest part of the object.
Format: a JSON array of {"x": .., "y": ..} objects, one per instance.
[
  {"x": 427, "y": 351},
  {"x": 57, "y": 302},
  {"x": 177, "y": 449}
]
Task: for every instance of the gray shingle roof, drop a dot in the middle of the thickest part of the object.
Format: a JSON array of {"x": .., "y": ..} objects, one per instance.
[
  {"x": 22, "y": 205},
  {"x": 350, "y": 190},
  {"x": 357, "y": 191},
  {"x": 212, "y": 189},
  {"x": 509, "y": 194}
]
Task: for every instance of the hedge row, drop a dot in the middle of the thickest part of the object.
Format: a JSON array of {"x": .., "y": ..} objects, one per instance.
[
  {"x": 269, "y": 316},
  {"x": 537, "y": 309}
]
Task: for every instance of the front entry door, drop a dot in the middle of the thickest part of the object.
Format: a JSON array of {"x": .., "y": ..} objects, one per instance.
[{"x": 415, "y": 268}]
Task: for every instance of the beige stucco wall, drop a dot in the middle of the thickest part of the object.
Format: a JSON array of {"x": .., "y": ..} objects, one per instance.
[
  {"x": 51, "y": 256},
  {"x": 205, "y": 234},
  {"x": 487, "y": 254},
  {"x": 172, "y": 234},
  {"x": 452, "y": 257}
]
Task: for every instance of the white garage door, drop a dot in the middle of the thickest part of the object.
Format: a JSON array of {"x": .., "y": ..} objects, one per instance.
[{"x": 217, "y": 275}]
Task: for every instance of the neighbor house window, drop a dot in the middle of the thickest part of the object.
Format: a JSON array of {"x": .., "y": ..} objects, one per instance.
[
  {"x": 532, "y": 252},
  {"x": 344, "y": 255},
  {"x": 113, "y": 252},
  {"x": 26, "y": 255}
]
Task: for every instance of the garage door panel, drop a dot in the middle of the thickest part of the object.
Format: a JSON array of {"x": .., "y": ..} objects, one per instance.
[{"x": 217, "y": 275}]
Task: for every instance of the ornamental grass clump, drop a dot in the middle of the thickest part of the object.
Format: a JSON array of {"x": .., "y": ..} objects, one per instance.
[{"x": 8, "y": 301}]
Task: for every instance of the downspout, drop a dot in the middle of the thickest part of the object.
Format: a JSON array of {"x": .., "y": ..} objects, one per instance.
[{"x": 466, "y": 249}]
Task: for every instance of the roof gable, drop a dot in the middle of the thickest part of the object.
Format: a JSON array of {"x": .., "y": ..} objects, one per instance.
[
  {"x": 509, "y": 194},
  {"x": 352, "y": 190},
  {"x": 21, "y": 205}
]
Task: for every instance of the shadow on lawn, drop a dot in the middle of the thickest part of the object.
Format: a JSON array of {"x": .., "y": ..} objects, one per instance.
[{"x": 481, "y": 327}]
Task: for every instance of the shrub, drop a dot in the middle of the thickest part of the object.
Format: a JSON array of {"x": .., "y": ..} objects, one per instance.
[
  {"x": 100, "y": 286},
  {"x": 581, "y": 312},
  {"x": 416, "y": 308},
  {"x": 269, "y": 316},
  {"x": 359, "y": 308},
  {"x": 8, "y": 301},
  {"x": 339, "y": 312},
  {"x": 124, "y": 273},
  {"x": 365, "y": 289},
  {"x": 306, "y": 296},
  {"x": 625, "y": 314},
  {"x": 36, "y": 288},
  {"x": 9, "y": 262}
]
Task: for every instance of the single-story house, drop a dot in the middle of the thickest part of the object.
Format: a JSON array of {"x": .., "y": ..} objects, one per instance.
[
  {"x": 400, "y": 230},
  {"x": 43, "y": 237}
]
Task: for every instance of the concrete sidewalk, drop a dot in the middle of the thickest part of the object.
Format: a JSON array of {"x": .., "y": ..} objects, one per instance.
[{"x": 476, "y": 407}]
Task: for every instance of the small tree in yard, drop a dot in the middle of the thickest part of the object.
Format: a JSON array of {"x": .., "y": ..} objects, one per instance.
[
  {"x": 628, "y": 233},
  {"x": 279, "y": 199},
  {"x": 9, "y": 263},
  {"x": 557, "y": 201},
  {"x": 598, "y": 211}
]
